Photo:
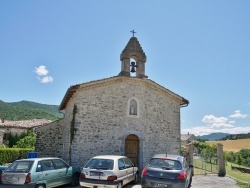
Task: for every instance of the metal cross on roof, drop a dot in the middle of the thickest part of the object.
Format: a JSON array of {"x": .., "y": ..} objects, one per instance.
[{"x": 133, "y": 32}]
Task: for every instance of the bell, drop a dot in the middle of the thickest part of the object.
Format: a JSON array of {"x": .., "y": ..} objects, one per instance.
[{"x": 133, "y": 66}]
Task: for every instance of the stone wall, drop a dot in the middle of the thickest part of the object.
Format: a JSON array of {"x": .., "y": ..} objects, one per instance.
[
  {"x": 102, "y": 122},
  {"x": 50, "y": 139}
]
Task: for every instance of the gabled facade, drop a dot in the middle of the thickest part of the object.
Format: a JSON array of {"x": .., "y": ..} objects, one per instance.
[{"x": 121, "y": 115}]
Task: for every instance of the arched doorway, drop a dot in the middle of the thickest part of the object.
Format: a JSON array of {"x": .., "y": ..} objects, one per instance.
[{"x": 132, "y": 148}]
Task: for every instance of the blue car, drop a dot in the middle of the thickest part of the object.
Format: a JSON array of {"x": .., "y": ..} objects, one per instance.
[
  {"x": 39, "y": 173},
  {"x": 168, "y": 171}
]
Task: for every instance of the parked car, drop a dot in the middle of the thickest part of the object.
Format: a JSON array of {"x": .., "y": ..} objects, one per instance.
[
  {"x": 109, "y": 171},
  {"x": 168, "y": 171},
  {"x": 2, "y": 168},
  {"x": 39, "y": 173}
]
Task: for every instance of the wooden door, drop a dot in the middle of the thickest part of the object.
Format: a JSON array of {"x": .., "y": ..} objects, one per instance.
[{"x": 132, "y": 148}]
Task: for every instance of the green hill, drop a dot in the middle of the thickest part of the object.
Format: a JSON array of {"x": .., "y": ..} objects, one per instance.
[
  {"x": 26, "y": 110},
  {"x": 213, "y": 136}
]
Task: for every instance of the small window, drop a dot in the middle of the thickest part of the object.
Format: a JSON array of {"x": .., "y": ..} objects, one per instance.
[
  {"x": 128, "y": 163},
  {"x": 47, "y": 165},
  {"x": 59, "y": 164},
  {"x": 39, "y": 167},
  {"x": 121, "y": 164}
]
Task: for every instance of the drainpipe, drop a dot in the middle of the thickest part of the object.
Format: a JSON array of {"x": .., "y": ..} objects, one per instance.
[{"x": 185, "y": 104}]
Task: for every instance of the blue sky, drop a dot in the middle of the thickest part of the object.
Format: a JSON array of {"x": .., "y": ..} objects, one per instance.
[{"x": 197, "y": 49}]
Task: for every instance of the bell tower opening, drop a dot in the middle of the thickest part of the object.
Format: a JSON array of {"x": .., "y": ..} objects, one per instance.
[
  {"x": 133, "y": 59},
  {"x": 133, "y": 67}
]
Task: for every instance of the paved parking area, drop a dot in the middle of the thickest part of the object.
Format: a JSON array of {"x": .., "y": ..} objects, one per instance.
[
  {"x": 213, "y": 181},
  {"x": 199, "y": 181}
]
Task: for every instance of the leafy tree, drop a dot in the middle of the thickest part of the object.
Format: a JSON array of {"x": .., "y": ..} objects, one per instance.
[
  {"x": 238, "y": 159},
  {"x": 183, "y": 151},
  {"x": 200, "y": 146},
  {"x": 245, "y": 153},
  {"x": 208, "y": 153},
  {"x": 230, "y": 156},
  {"x": 27, "y": 142},
  {"x": 13, "y": 139}
]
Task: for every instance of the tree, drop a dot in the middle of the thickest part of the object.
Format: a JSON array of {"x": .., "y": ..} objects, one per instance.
[
  {"x": 238, "y": 159},
  {"x": 27, "y": 142}
]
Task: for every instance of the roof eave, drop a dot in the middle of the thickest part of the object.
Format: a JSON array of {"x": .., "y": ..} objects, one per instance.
[{"x": 67, "y": 97}]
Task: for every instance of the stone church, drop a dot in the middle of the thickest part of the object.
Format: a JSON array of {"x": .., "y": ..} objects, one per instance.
[{"x": 122, "y": 115}]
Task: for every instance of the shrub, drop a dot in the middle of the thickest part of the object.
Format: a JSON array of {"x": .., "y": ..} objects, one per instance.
[{"x": 8, "y": 155}]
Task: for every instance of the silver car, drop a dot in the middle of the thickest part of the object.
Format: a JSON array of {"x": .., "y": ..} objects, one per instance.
[
  {"x": 168, "y": 171},
  {"x": 39, "y": 173},
  {"x": 109, "y": 171}
]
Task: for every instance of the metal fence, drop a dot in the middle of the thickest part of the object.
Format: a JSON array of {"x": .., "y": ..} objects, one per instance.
[{"x": 207, "y": 165}]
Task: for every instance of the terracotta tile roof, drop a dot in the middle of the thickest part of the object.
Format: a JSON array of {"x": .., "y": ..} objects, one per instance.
[{"x": 24, "y": 123}]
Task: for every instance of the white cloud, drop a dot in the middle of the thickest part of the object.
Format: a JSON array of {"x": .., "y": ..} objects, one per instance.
[
  {"x": 205, "y": 130},
  {"x": 237, "y": 115},
  {"x": 42, "y": 74},
  {"x": 41, "y": 71},
  {"x": 219, "y": 124},
  {"x": 216, "y": 122},
  {"x": 46, "y": 79}
]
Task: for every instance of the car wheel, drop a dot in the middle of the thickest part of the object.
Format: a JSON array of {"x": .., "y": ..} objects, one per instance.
[
  {"x": 136, "y": 179},
  {"x": 75, "y": 180},
  {"x": 119, "y": 185},
  {"x": 40, "y": 186}
]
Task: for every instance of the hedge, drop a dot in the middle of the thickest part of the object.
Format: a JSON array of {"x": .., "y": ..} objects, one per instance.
[{"x": 8, "y": 155}]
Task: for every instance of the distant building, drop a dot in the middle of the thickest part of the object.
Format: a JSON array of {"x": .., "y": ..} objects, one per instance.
[
  {"x": 187, "y": 138},
  {"x": 18, "y": 127}
]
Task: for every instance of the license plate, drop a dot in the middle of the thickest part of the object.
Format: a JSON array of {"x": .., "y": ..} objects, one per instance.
[
  {"x": 14, "y": 179},
  {"x": 11, "y": 179},
  {"x": 96, "y": 173},
  {"x": 162, "y": 185}
]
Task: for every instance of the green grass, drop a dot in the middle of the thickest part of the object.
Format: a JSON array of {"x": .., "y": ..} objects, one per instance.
[{"x": 237, "y": 175}]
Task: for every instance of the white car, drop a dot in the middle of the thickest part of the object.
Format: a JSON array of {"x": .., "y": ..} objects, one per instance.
[{"x": 109, "y": 171}]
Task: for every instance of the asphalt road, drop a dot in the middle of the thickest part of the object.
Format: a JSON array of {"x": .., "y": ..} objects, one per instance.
[{"x": 199, "y": 181}]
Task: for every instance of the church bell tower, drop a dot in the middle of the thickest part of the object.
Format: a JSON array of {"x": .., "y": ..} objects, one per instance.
[{"x": 133, "y": 59}]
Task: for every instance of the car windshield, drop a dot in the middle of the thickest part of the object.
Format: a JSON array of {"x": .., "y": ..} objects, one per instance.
[
  {"x": 165, "y": 164},
  {"x": 20, "y": 166},
  {"x": 104, "y": 164}
]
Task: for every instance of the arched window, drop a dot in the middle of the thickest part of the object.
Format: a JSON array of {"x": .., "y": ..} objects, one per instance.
[{"x": 133, "y": 107}]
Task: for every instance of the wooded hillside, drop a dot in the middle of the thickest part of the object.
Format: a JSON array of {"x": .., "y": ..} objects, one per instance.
[{"x": 26, "y": 110}]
